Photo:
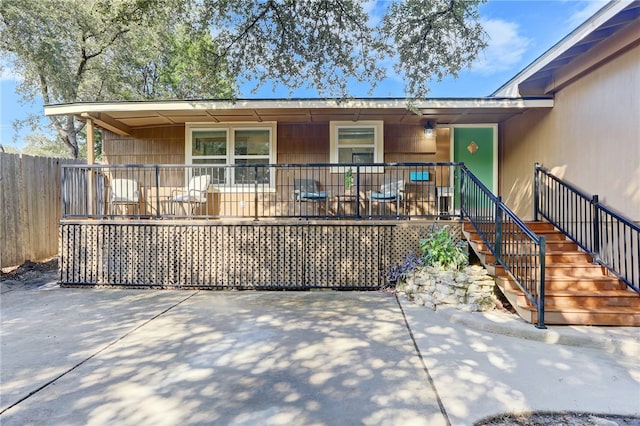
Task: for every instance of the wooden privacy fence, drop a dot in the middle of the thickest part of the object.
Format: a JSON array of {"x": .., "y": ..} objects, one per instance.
[{"x": 30, "y": 210}]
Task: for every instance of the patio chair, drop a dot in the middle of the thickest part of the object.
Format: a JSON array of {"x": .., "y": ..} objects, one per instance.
[
  {"x": 195, "y": 194},
  {"x": 124, "y": 192},
  {"x": 392, "y": 192},
  {"x": 307, "y": 190}
]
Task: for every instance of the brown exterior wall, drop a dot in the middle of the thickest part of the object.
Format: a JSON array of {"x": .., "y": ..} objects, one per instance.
[
  {"x": 298, "y": 143},
  {"x": 303, "y": 143},
  {"x": 159, "y": 145},
  {"x": 407, "y": 144},
  {"x": 590, "y": 138}
]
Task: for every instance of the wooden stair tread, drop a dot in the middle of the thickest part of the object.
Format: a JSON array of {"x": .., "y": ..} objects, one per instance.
[
  {"x": 620, "y": 317},
  {"x": 553, "y": 252},
  {"x": 583, "y": 279},
  {"x": 571, "y": 285},
  {"x": 582, "y": 293},
  {"x": 600, "y": 310},
  {"x": 559, "y": 246}
]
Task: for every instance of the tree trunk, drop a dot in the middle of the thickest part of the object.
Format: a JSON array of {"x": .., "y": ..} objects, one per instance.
[{"x": 67, "y": 132}]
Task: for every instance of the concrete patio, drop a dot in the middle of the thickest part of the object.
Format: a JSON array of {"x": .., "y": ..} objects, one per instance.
[{"x": 79, "y": 356}]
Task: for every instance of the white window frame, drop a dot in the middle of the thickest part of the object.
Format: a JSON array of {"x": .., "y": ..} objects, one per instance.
[
  {"x": 215, "y": 157},
  {"x": 378, "y": 143},
  {"x": 230, "y": 158}
]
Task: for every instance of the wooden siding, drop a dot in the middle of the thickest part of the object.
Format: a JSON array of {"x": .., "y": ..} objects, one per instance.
[
  {"x": 159, "y": 145},
  {"x": 303, "y": 143},
  {"x": 298, "y": 143},
  {"x": 590, "y": 138}
]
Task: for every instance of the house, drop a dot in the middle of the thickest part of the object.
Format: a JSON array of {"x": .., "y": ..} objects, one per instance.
[{"x": 212, "y": 193}]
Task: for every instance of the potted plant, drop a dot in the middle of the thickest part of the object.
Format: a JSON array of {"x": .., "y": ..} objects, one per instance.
[{"x": 348, "y": 180}]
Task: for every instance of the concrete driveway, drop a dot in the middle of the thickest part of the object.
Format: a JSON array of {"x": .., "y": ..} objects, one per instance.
[{"x": 80, "y": 356}]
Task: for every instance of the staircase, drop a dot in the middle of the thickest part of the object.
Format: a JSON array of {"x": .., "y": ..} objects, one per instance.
[{"x": 577, "y": 291}]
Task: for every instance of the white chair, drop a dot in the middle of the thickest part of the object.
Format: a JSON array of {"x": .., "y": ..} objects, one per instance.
[
  {"x": 195, "y": 194},
  {"x": 392, "y": 192},
  {"x": 124, "y": 192}
]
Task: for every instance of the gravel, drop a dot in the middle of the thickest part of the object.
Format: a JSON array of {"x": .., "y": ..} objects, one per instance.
[{"x": 559, "y": 419}]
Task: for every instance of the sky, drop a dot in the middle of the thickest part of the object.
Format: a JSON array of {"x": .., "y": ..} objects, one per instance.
[{"x": 519, "y": 32}]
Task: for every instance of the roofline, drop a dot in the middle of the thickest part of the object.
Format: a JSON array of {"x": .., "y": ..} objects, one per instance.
[
  {"x": 238, "y": 104},
  {"x": 607, "y": 11}
]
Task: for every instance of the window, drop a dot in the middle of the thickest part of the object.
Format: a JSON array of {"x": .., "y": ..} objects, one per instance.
[
  {"x": 229, "y": 144},
  {"x": 210, "y": 147},
  {"x": 356, "y": 142}
]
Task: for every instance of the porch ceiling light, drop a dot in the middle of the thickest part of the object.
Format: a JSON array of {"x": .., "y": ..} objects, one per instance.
[{"x": 428, "y": 129}]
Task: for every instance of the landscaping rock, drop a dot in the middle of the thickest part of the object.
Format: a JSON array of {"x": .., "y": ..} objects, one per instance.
[{"x": 471, "y": 289}]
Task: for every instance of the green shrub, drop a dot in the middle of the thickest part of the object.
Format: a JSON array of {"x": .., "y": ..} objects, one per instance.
[{"x": 441, "y": 250}]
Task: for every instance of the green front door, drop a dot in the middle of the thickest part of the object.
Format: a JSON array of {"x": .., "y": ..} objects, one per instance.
[{"x": 474, "y": 146}]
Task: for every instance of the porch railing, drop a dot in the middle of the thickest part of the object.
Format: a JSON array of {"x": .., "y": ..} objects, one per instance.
[
  {"x": 257, "y": 191},
  {"x": 611, "y": 239},
  {"x": 513, "y": 244}
]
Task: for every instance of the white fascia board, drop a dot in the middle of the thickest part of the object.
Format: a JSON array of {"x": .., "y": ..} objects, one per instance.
[
  {"x": 151, "y": 106},
  {"x": 510, "y": 88}
]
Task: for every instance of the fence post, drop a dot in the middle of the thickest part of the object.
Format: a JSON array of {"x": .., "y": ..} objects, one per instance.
[
  {"x": 536, "y": 188},
  {"x": 595, "y": 223},
  {"x": 498, "y": 220}
]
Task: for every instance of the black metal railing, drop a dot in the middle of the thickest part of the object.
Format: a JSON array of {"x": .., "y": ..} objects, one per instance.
[
  {"x": 332, "y": 191},
  {"x": 515, "y": 247},
  {"x": 611, "y": 239}
]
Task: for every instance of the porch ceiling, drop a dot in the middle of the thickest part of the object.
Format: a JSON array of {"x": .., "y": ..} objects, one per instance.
[{"x": 125, "y": 117}]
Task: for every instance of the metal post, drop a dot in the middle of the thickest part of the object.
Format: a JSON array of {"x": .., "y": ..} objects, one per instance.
[
  {"x": 536, "y": 188},
  {"x": 63, "y": 183},
  {"x": 543, "y": 253},
  {"x": 357, "y": 192},
  {"x": 595, "y": 211},
  {"x": 158, "y": 192},
  {"x": 463, "y": 188},
  {"x": 255, "y": 193},
  {"x": 498, "y": 220}
]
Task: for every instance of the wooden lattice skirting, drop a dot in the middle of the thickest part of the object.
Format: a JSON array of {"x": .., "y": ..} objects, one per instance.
[{"x": 250, "y": 255}]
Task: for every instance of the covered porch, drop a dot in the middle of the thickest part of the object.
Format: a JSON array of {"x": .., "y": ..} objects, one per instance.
[{"x": 277, "y": 194}]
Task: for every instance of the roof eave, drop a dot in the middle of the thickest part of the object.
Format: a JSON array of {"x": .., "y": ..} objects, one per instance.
[
  {"x": 392, "y": 103},
  {"x": 511, "y": 88}
]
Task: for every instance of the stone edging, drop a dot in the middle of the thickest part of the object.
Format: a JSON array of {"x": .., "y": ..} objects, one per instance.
[{"x": 471, "y": 289}]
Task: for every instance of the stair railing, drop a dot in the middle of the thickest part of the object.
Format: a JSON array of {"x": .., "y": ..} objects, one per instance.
[
  {"x": 513, "y": 244},
  {"x": 612, "y": 240}
]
